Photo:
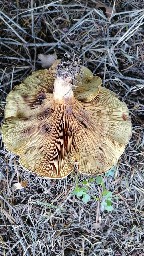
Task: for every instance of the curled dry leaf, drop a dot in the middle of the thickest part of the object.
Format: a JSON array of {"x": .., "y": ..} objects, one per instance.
[{"x": 51, "y": 127}]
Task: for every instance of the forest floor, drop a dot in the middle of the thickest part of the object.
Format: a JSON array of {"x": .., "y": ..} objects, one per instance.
[{"x": 49, "y": 217}]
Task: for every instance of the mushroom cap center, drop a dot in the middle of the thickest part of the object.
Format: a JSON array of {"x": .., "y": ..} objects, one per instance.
[{"x": 62, "y": 88}]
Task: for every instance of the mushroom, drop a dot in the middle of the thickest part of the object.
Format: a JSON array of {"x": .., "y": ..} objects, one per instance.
[{"x": 51, "y": 124}]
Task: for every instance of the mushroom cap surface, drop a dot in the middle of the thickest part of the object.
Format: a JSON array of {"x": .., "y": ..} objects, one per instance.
[{"x": 50, "y": 136}]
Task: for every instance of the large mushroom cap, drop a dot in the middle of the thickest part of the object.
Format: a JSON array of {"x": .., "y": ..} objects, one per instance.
[{"x": 51, "y": 131}]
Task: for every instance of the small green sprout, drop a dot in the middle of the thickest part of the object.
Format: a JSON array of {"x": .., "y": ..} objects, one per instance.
[
  {"x": 99, "y": 180},
  {"x": 82, "y": 192},
  {"x": 106, "y": 203},
  {"x": 105, "y": 196}
]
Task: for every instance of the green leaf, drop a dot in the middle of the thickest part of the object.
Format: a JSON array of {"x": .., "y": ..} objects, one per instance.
[
  {"x": 103, "y": 205},
  {"x": 96, "y": 198},
  {"x": 99, "y": 180},
  {"x": 78, "y": 191},
  {"x": 111, "y": 172},
  {"x": 108, "y": 202},
  {"x": 107, "y": 194},
  {"x": 109, "y": 208},
  {"x": 106, "y": 205},
  {"x": 91, "y": 179},
  {"x": 86, "y": 198},
  {"x": 85, "y": 182}
]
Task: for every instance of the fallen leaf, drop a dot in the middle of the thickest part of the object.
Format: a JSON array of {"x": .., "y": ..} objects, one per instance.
[{"x": 24, "y": 183}]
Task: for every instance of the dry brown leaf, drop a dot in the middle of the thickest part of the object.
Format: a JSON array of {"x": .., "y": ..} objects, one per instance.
[{"x": 24, "y": 183}]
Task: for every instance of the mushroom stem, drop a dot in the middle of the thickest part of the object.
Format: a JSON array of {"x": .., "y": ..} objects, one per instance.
[{"x": 62, "y": 88}]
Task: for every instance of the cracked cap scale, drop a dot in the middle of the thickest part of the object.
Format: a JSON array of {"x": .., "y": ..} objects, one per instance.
[{"x": 51, "y": 125}]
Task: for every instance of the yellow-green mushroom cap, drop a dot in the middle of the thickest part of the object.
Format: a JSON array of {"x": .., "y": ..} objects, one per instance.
[
  {"x": 51, "y": 127},
  {"x": 87, "y": 85}
]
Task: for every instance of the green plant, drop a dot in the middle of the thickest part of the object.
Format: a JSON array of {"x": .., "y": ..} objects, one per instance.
[
  {"x": 105, "y": 196},
  {"x": 82, "y": 192}
]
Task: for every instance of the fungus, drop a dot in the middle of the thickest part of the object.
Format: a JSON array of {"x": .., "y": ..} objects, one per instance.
[{"x": 52, "y": 124}]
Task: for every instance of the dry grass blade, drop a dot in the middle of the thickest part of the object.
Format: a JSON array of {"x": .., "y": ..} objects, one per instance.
[{"x": 137, "y": 22}]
